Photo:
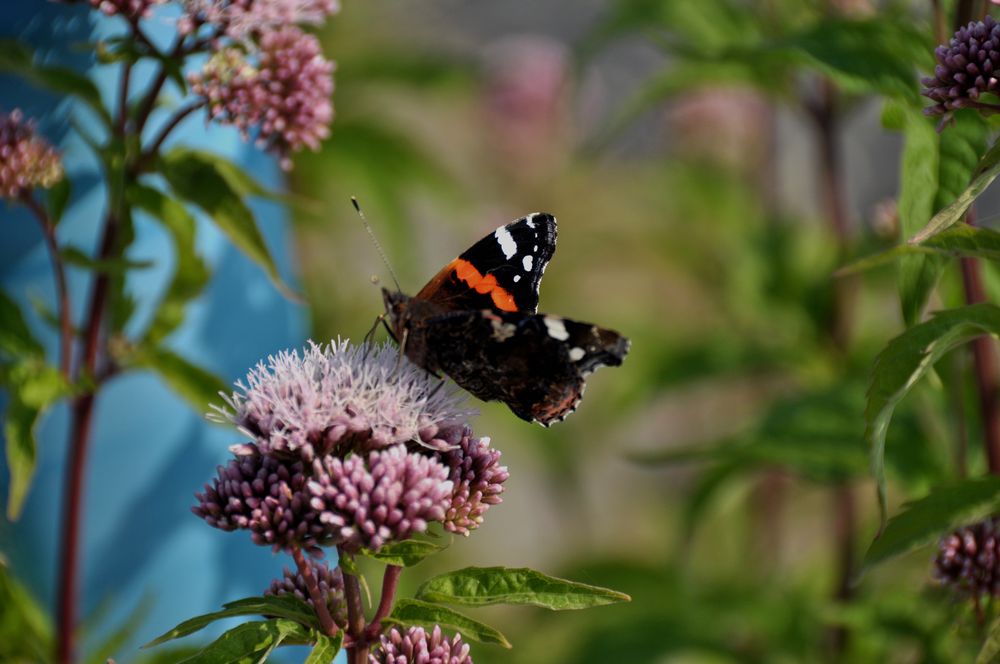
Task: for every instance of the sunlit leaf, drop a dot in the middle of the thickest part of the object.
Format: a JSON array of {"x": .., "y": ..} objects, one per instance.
[
  {"x": 326, "y": 648},
  {"x": 427, "y": 615},
  {"x": 406, "y": 553},
  {"x": 480, "y": 586},
  {"x": 203, "y": 184},
  {"x": 250, "y": 643},
  {"x": 905, "y": 360},
  {"x": 283, "y": 606},
  {"x": 942, "y": 510},
  {"x": 959, "y": 240}
]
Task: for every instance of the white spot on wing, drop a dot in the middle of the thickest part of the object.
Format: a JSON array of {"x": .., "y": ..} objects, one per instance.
[
  {"x": 526, "y": 262},
  {"x": 517, "y": 278},
  {"x": 576, "y": 354},
  {"x": 556, "y": 328},
  {"x": 530, "y": 223},
  {"x": 507, "y": 244}
]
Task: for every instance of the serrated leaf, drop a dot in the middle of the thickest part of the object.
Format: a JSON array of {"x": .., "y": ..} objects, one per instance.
[
  {"x": 198, "y": 386},
  {"x": 905, "y": 360},
  {"x": 425, "y": 614},
  {"x": 191, "y": 273},
  {"x": 17, "y": 58},
  {"x": 15, "y": 337},
  {"x": 326, "y": 648},
  {"x": 283, "y": 606},
  {"x": 942, "y": 510},
  {"x": 202, "y": 183},
  {"x": 959, "y": 240},
  {"x": 250, "y": 643},
  {"x": 480, "y": 586},
  {"x": 33, "y": 387},
  {"x": 986, "y": 172},
  {"x": 406, "y": 553}
]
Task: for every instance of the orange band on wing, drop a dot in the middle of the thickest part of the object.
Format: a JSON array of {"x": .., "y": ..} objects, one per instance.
[{"x": 467, "y": 272}]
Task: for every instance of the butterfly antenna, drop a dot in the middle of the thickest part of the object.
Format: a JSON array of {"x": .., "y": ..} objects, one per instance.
[{"x": 375, "y": 241}]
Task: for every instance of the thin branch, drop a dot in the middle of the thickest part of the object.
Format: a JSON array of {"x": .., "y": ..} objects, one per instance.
[
  {"x": 319, "y": 602},
  {"x": 390, "y": 583},
  {"x": 157, "y": 143},
  {"x": 123, "y": 86},
  {"x": 62, "y": 290},
  {"x": 355, "y": 615}
]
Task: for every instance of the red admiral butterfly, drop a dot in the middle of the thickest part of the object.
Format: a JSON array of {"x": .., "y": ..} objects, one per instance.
[{"x": 476, "y": 322}]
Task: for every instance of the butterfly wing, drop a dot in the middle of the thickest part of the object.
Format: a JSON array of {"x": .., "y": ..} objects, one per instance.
[
  {"x": 502, "y": 271},
  {"x": 537, "y": 364}
]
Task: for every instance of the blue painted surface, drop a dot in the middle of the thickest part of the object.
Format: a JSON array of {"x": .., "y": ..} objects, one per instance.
[{"x": 150, "y": 451}]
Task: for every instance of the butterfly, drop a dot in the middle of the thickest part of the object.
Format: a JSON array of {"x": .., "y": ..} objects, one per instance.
[{"x": 476, "y": 321}]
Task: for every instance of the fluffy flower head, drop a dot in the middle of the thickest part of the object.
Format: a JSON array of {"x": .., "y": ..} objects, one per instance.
[
  {"x": 26, "y": 160},
  {"x": 243, "y": 19},
  {"x": 284, "y": 97},
  {"x": 342, "y": 396},
  {"x": 416, "y": 646}
]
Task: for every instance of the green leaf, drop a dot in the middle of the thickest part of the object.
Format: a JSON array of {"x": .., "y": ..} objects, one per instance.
[
  {"x": 250, "y": 643},
  {"x": 406, "y": 553},
  {"x": 74, "y": 256},
  {"x": 990, "y": 652},
  {"x": 191, "y": 273},
  {"x": 201, "y": 182},
  {"x": 15, "y": 337},
  {"x": 25, "y": 626},
  {"x": 283, "y": 606},
  {"x": 198, "y": 386},
  {"x": 58, "y": 197},
  {"x": 111, "y": 644},
  {"x": 326, "y": 648},
  {"x": 480, "y": 586},
  {"x": 905, "y": 360},
  {"x": 33, "y": 387},
  {"x": 942, "y": 510},
  {"x": 959, "y": 240},
  {"x": 987, "y": 171},
  {"x": 424, "y": 614},
  {"x": 18, "y": 58}
]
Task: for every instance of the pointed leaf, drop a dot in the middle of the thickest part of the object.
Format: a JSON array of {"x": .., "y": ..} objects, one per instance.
[
  {"x": 58, "y": 197},
  {"x": 987, "y": 171},
  {"x": 74, "y": 256},
  {"x": 191, "y": 273},
  {"x": 203, "y": 184},
  {"x": 942, "y": 510},
  {"x": 424, "y": 614},
  {"x": 959, "y": 240},
  {"x": 250, "y": 643},
  {"x": 198, "y": 386},
  {"x": 15, "y": 337},
  {"x": 479, "y": 586},
  {"x": 326, "y": 648},
  {"x": 406, "y": 553},
  {"x": 283, "y": 606},
  {"x": 905, "y": 360},
  {"x": 990, "y": 652}
]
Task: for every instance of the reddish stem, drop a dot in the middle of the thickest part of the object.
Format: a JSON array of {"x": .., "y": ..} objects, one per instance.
[
  {"x": 358, "y": 654},
  {"x": 390, "y": 583},
  {"x": 319, "y": 602},
  {"x": 164, "y": 133},
  {"x": 62, "y": 291},
  {"x": 985, "y": 360}
]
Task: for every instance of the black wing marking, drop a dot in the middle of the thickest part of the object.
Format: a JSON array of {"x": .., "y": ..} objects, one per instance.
[{"x": 537, "y": 364}]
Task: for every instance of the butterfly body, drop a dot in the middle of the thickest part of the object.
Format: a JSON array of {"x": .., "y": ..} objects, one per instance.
[{"x": 476, "y": 321}]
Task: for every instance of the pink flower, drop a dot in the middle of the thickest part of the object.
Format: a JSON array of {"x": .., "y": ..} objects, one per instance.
[
  {"x": 284, "y": 97},
  {"x": 416, "y": 646},
  {"x": 26, "y": 160},
  {"x": 132, "y": 9},
  {"x": 243, "y": 19},
  {"x": 478, "y": 478}
]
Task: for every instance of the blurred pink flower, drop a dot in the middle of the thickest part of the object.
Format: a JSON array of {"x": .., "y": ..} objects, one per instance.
[
  {"x": 416, "y": 646},
  {"x": 244, "y": 19},
  {"x": 26, "y": 160},
  {"x": 133, "y": 9}
]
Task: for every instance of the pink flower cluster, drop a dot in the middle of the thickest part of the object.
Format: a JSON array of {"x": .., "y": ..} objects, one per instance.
[
  {"x": 131, "y": 9},
  {"x": 284, "y": 97},
  {"x": 243, "y": 19},
  {"x": 416, "y": 646},
  {"x": 26, "y": 160}
]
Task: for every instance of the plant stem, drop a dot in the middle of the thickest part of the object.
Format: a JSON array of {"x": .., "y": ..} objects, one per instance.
[
  {"x": 390, "y": 583},
  {"x": 355, "y": 615},
  {"x": 319, "y": 602},
  {"x": 984, "y": 358},
  {"x": 62, "y": 291},
  {"x": 171, "y": 124}
]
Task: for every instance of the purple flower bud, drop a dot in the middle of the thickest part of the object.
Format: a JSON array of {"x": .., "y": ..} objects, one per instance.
[
  {"x": 365, "y": 503},
  {"x": 342, "y": 398},
  {"x": 331, "y": 587},
  {"x": 968, "y": 560},
  {"x": 964, "y": 66},
  {"x": 478, "y": 479},
  {"x": 415, "y": 646},
  {"x": 26, "y": 160},
  {"x": 261, "y": 494}
]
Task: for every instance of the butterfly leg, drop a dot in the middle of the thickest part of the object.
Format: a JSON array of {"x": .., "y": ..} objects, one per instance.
[{"x": 371, "y": 333}]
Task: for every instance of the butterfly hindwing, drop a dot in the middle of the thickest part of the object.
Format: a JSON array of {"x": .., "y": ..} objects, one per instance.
[
  {"x": 502, "y": 271},
  {"x": 535, "y": 363}
]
